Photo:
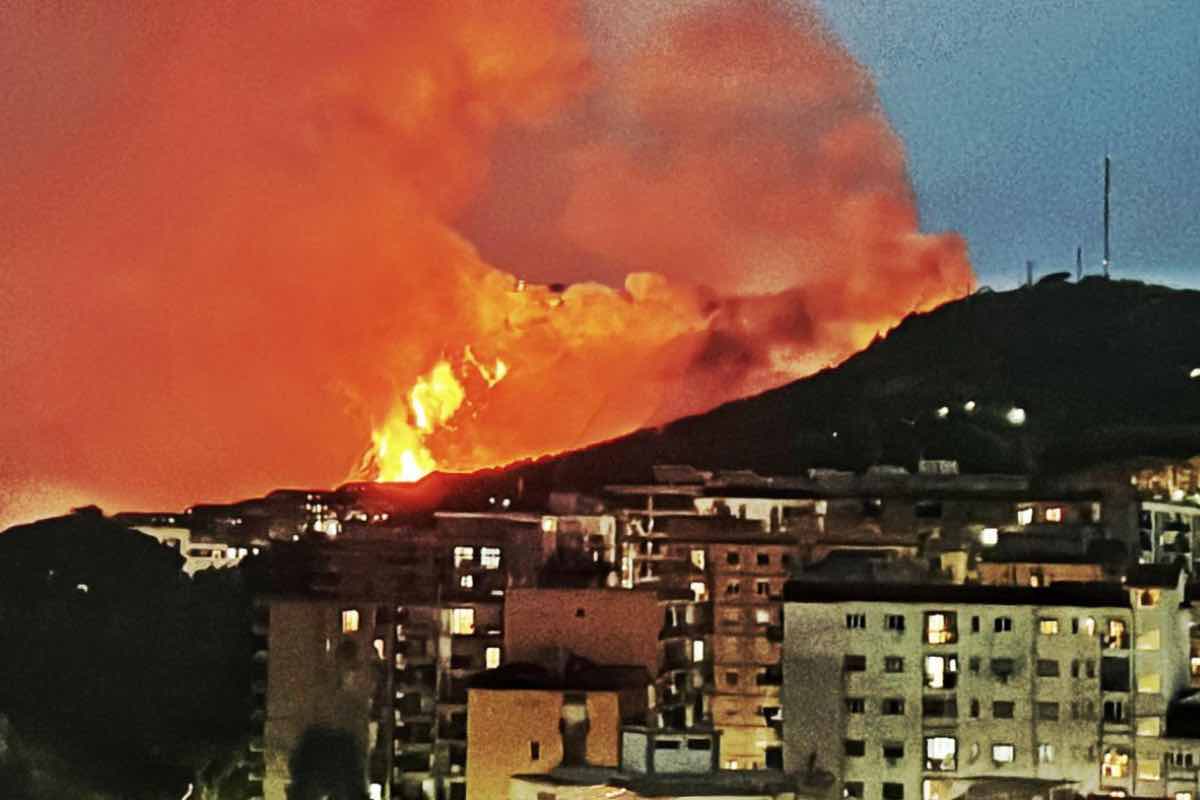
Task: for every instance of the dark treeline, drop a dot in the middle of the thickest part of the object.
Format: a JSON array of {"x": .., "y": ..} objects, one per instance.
[{"x": 121, "y": 677}]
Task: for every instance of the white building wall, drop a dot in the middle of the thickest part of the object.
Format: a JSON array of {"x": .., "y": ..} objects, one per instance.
[{"x": 1056, "y": 727}]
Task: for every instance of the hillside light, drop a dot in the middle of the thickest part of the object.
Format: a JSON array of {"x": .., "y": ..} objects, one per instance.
[
  {"x": 943, "y": 412},
  {"x": 1015, "y": 416},
  {"x": 1195, "y": 374},
  {"x": 969, "y": 406}
]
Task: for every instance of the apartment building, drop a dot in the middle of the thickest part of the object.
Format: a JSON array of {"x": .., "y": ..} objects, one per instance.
[
  {"x": 525, "y": 719},
  {"x": 1169, "y": 532},
  {"x": 667, "y": 633},
  {"x": 321, "y": 685},
  {"x": 905, "y": 691}
]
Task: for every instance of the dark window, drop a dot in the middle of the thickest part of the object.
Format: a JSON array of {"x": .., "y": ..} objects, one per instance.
[
  {"x": 975, "y": 709},
  {"x": 855, "y": 705},
  {"x": 731, "y": 678},
  {"x": 1114, "y": 674},
  {"x": 856, "y": 747},
  {"x": 1114, "y": 711},
  {"x": 939, "y": 707},
  {"x": 893, "y": 750},
  {"x": 579, "y": 612},
  {"x": 893, "y": 791},
  {"x": 853, "y": 789},
  {"x": 1048, "y": 711},
  {"x": 666, "y": 744},
  {"x": 854, "y": 663},
  {"x": 1002, "y": 624},
  {"x": 1002, "y": 710},
  {"x": 974, "y": 624},
  {"x": 699, "y": 744},
  {"x": 763, "y": 559},
  {"x": 892, "y": 706},
  {"x": 928, "y": 509},
  {"x": 535, "y": 751},
  {"x": 732, "y": 557},
  {"x": 1047, "y": 668},
  {"x": 893, "y": 622},
  {"x": 893, "y": 664}
]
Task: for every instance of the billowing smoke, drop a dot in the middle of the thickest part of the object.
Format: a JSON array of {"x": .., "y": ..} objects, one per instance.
[{"x": 236, "y": 235}]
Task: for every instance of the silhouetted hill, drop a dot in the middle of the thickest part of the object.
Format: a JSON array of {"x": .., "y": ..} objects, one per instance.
[{"x": 1100, "y": 368}]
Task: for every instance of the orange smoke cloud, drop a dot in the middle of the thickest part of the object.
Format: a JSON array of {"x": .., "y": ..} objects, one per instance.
[{"x": 236, "y": 237}]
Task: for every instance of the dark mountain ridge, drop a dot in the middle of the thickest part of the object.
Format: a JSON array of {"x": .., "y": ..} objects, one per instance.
[{"x": 1048, "y": 378}]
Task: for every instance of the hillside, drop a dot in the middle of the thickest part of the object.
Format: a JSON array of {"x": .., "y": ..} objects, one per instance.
[{"x": 1101, "y": 369}]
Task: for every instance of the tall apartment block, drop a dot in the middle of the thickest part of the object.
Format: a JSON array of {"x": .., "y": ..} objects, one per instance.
[{"x": 899, "y": 692}]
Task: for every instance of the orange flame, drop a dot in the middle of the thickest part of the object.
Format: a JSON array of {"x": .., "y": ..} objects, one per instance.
[{"x": 399, "y": 448}]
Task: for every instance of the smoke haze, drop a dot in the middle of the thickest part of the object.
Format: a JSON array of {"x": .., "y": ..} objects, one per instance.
[{"x": 234, "y": 235}]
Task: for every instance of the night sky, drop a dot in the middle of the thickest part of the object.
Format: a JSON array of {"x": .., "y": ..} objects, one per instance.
[{"x": 1008, "y": 108}]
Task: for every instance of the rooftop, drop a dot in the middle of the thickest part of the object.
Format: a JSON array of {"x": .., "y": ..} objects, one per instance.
[
  {"x": 721, "y": 783},
  {"x": 1059, "y": 593}
]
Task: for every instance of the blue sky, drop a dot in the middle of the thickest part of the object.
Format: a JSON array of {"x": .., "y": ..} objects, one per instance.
[{"x": 1007, "y": 109}]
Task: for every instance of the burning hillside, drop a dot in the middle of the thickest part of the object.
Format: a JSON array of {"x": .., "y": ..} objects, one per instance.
[{"x": 314, "y": 228}]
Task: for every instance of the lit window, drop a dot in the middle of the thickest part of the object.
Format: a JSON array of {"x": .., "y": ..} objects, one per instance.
[
  {"x": 1045, "y": 754},
  {"x": 1054, "y": 514},
  {"x": 349, "y": 620},
  {"x": 1149, "y": 726},
  {"x": 1004, "y": 753},
  {"x": 462, "y": 621},
  {"x": 697, "y": 650},
  {"x": 941, "y": 753},
  {"x": 1149, "y": 683},
  {"x": 941, "y": 627},
  {"x": 463, "y": 555},
  {"x": 467, "y": 581},
  {"x": 1186, "y": 795},
  {"x": 1024, "y": 516},
  {"x": 941, "y": 672},
  {"x": 491, "y": 657},
  {"x": 379, "y": 649},
  {"x": 1148, "y": 640},
  {"x": 1149, "y": 769},
  {"x": 698, "y": 559},
  {"x": 699, "y": 591},
  {"x": 762, "y": 616},
  {"x": 1048, "y": 626},
  {"x": 1115, "y": 638},
  {"x": 988, "y": 537},
  {"x": 375, "y": 792},
  {"x": 489, "y": 557},
  {"x": 1115, "y": 764}
]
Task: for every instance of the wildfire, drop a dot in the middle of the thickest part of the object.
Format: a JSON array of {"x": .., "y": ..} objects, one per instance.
[{"x": 399, "y": 448}]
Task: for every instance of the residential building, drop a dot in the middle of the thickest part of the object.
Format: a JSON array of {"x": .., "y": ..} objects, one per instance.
[
  {"x": 905, "y": 691},
  {"x": 525, "y": 719}
]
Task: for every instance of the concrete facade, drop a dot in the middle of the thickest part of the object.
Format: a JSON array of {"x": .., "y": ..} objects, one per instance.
[{"x": 906, "y": 691}]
